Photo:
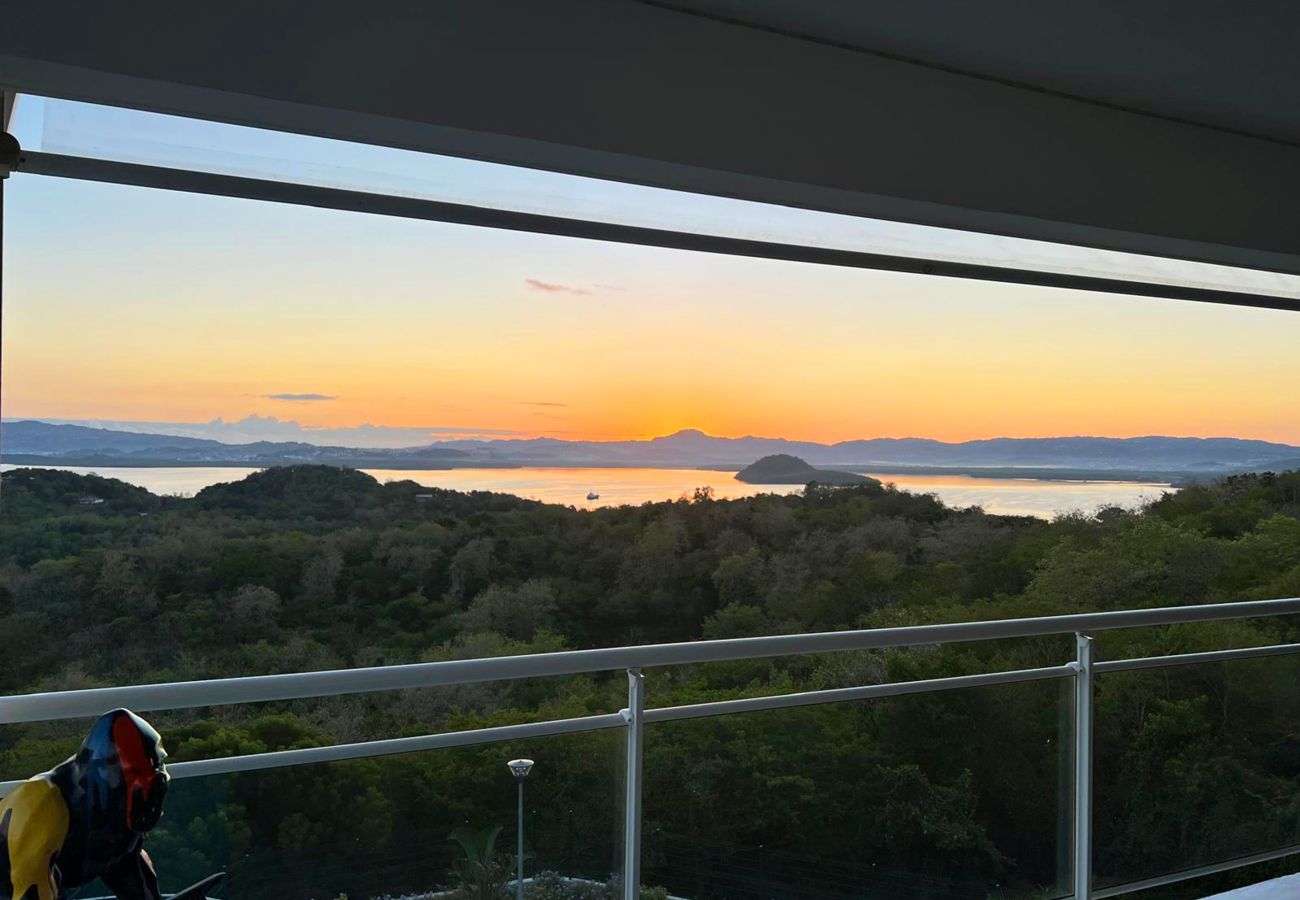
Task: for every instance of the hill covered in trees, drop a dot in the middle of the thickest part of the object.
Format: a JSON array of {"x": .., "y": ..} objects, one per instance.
[
  {"x": 947, "y": 795},
  {"x": 781, "y": 468}
]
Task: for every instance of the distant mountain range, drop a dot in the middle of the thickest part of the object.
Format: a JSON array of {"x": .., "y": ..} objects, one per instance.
[
  {"x": 691, "y": 447},
  {"x": 33, "y": 442},
  {"x": 27, "y": 442}
]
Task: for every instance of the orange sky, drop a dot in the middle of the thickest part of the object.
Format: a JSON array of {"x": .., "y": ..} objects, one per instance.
[{"x": 129, "y": 304}]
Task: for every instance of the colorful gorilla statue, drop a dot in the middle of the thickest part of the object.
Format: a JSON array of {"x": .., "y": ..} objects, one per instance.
[{"x": 87, "y": 817}]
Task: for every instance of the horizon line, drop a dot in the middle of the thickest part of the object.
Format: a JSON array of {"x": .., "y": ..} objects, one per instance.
[{"x": 503, "y": 436}]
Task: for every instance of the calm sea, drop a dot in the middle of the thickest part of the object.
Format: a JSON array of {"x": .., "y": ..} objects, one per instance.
[{"x": 1005, "y": 496}]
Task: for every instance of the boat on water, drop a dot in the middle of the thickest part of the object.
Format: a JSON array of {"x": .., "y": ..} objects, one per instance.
[{"x": 592, "y": 495}]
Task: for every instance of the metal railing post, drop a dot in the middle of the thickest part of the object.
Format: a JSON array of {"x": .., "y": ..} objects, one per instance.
[
  {"x": 519, "y": 836},
  {"x": 635, "y": 716},
  {"x": 1083, "y": 768}
]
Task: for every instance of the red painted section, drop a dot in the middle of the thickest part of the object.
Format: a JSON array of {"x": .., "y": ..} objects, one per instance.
[{"x": 137, "y": 767}]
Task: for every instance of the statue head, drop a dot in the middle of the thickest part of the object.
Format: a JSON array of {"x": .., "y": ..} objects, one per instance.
[{"x": 122, "y": 772}]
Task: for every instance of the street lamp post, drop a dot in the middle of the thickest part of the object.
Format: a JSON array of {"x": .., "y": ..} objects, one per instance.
[{"x": 520, "y": 769}]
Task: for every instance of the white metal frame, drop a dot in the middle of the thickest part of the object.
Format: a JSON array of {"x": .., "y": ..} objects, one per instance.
[
  {"x": 42, "y": 707},
  {"x": 1083, "y": 675},
  {"x": 1083, "y": 669},
  {"x": 634, "y": 715}
]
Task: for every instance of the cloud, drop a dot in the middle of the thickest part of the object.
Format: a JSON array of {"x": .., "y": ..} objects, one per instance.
[
  {"x": 551, "y": 288},
  {"x": 540, "y": 403},
  {"x": 299, "y": 397}
]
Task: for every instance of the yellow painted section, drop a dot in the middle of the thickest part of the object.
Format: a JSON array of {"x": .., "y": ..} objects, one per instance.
[{"x": 38, "y": 823}]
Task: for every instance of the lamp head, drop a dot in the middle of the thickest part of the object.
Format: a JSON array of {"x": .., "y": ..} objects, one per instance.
[{"x": 520, "y": 768}]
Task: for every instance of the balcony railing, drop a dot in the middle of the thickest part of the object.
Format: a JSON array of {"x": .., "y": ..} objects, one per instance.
[{"x": 635, "y": 717}]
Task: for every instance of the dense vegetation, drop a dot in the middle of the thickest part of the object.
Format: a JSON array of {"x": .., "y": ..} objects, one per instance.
[
  {"x": 782, "y": 468},
  {"x": 956, "y": 794}
]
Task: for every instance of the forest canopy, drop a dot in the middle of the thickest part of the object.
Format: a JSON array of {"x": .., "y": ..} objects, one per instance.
[{"x": 313, "y": 567}]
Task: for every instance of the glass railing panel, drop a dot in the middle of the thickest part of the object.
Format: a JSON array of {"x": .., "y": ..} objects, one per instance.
[
  {"x": 1195, "y": 765},
  {"x": 960, "y": 794},
  {"x": 124, "y": 135},
  {"x": 383, "y": 827}
]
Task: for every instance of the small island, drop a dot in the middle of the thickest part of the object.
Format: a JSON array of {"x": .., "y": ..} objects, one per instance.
[{"x": 782, "y": 468}]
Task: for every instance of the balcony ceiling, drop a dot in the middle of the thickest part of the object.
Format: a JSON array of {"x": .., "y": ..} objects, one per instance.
[
  {"x": 1170, "y": 128},
  {"x": 1225, "y": 65}
]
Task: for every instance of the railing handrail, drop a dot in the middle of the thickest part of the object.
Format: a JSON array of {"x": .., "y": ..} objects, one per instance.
[
  {"x": 41, "y": 707},
  {"x": 276, "y": 759}
]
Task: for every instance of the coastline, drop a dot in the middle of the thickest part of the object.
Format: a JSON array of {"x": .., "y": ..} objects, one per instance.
[{"x": 1174, "y": 477}]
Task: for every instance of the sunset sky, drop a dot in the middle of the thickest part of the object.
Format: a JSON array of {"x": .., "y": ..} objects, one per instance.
[{"x": 130, "y": 304}]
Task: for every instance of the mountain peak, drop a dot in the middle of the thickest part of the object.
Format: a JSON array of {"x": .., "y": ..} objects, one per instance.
[{"x": 687, "y": 434}]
